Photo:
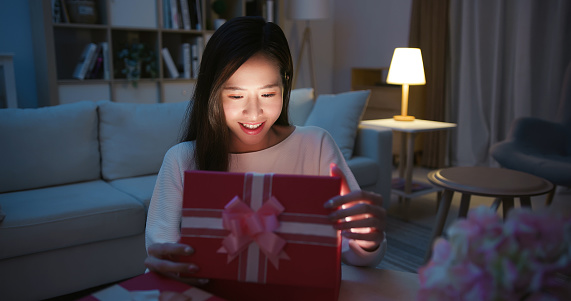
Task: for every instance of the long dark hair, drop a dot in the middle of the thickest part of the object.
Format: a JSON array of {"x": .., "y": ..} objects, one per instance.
[{"x": 230, "y": 46}]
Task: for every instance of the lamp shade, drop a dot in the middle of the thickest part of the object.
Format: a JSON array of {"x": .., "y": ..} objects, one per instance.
[
  {"x": 406, "y": 67},
  {"x": 308, "y": 9}
]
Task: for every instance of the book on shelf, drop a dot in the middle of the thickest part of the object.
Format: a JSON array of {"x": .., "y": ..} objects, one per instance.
[
  {"x": 167, "y": 14},
  {"x": 84, "y": 61},
  {"x": 56, "y": 11},
  {"x": 97, "y": 70},
  {"x": 196, "y": 52},
  {"x": 173, "y": 72},
  {"x": 185, "y": 60},
  {"x": 195, "y": 14},
  {"x": 175, "y": 16},
  {"x": 92, "y": 62},
  {"x": 105, "y": 55},
  {"x": 185, "y": 13},
  {"x": 64, "y": 13},
  {"x": 194, "y": 64}
]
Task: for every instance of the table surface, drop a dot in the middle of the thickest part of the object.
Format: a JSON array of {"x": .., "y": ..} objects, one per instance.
[
  {"x": 377, "y": 284},
  {"x": 489, "y": 181},
  {"x": 417, "y": 125}
]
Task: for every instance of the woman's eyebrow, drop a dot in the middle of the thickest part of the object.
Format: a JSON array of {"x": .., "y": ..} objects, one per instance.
[{"x": 235, "y": 88}]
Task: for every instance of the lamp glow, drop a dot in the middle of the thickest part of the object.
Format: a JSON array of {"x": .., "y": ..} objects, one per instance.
[{"x": 406, "y": 69}]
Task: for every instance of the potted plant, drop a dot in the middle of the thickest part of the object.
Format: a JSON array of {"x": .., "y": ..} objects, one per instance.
[{"x": 137, "y": 60}]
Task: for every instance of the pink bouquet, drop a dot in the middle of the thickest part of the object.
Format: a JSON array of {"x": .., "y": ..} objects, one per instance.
[{"x": 527, "y": 257}]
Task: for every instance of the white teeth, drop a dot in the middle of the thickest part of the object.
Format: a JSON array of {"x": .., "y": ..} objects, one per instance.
[{"x": 251, "y": 126}]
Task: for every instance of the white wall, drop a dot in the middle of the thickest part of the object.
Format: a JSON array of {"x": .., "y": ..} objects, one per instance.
[{"x": 359, "y": 33}]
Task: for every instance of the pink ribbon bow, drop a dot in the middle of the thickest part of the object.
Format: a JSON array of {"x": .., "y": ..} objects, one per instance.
[{"x": 247, "y": 226}]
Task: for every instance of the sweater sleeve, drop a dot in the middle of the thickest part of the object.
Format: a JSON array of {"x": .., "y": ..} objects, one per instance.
[
  {"x": 351, "y": 252},
  {"x": 164, "y": 214}
]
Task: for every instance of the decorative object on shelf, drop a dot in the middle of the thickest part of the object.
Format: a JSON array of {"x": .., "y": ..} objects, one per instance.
[
  {"x": 81, "y": 11},
  {"x": 220, "y": 8},
  {"x": 307, "y": 10},
  {"x": 406, "y": 69},
  {"x": 484, "y": 258},
  {"x": 137, "y": 60}
]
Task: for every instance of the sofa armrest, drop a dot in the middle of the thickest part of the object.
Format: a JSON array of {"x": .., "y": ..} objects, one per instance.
[{"x": 377, "y": 144}]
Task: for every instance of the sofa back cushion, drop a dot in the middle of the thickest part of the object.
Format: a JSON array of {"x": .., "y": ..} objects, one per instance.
[
  {"x": 300, "y": 104},
  {"x": 135, "y": 137},
  {"x": 340, "y": 115},
  {"x": 48, "y": 146}
]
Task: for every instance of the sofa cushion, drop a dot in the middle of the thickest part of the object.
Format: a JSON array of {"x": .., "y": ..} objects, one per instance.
[
  {"x": 135, "y": 137},
  {"x": 48, "y": 146},
  {"x": 340, "y": 115},
  {"x": 141, "y": 188},
  {"x": 67, "y": 215},
  {"x": 365, "y": 170},
  {"x": 300, "y": 104}
]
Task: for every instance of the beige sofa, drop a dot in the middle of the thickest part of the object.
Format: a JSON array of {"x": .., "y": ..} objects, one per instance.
[{"x": 75, "y": 183}]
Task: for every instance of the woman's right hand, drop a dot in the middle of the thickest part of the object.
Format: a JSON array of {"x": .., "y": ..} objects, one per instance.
[{"x": 160, "y": 260}]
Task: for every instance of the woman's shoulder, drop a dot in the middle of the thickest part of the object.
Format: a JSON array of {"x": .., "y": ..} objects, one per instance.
[
  {"x": 180, "y": 152},
  {"x": 312, "y": 132}
]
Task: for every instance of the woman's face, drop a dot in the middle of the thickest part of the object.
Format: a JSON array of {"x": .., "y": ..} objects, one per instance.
[{"x": 252, "y": 99}]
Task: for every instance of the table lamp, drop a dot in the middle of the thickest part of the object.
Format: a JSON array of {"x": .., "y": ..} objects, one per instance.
[
  {"x": 307, "y": 10},
  {"x": 406, "y": 69}
]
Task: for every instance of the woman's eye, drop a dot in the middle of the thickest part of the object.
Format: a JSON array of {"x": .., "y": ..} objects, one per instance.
[
  {"x": 235, "y": 96},
  {"x": 268, "y": 94}
]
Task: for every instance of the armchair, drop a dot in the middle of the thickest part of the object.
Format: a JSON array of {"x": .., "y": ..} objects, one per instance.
[{"x": 541, "y": 147}]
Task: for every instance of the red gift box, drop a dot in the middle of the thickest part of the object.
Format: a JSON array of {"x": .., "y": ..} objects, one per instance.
[
  {"x": 148, "y": 287},
  {"x": 262, "y": 236}
]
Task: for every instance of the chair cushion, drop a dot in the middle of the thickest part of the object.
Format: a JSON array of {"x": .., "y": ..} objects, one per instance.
[
  {"x": 340, "y": 115},
  {"x": 66, "y": 215},
  {"x": 135, "y": 137},
  {"x": 552, "y": 167},
  {"x": 300, "y": 105},
  {"x": 48, "y": 146},
  {"x": 140, "y": 188}
]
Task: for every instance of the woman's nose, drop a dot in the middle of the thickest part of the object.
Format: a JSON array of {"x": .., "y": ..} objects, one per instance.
[{"x": 253, "y": 107}]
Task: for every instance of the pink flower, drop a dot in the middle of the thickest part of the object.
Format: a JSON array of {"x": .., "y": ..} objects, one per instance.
[{"x": 487, "y": 259}]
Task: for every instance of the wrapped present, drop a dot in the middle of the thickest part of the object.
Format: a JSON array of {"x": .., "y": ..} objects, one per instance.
[
  {"x": 262, "y": 236},
  {"x": 150, "y": 287}
]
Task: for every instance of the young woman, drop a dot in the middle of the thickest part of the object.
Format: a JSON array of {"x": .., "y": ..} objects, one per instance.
[{"x": 238, "y": 122}]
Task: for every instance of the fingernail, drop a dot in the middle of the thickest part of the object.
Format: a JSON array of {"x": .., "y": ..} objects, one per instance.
[
  {"x": 202, "y": 281},
  {"x": 328, "y": 204},
  {"x": 193, "y": 268},
  {"x": 188, "y": 250}
]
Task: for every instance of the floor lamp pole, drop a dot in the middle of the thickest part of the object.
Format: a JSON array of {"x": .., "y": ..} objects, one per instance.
[{"x": 305, "y": 40}]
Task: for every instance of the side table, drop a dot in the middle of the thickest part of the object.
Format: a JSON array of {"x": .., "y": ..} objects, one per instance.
[
  {"x": 410, "y": 129},
  {"x": 500, "y": 183}
]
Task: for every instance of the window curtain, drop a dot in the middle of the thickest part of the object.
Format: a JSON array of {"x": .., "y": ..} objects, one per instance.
[
  {"x": 507, "y": 59},
  {"x": 429, "y": 32}
]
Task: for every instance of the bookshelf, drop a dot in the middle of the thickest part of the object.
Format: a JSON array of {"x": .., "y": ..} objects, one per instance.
[{"x": 60, "y": 42}]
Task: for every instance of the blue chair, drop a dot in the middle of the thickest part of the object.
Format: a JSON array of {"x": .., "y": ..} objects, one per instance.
[{"x": 541, "y": 147}]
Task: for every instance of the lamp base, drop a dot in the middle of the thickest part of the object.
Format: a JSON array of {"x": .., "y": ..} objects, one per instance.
[{"x": 403, "y": 118}]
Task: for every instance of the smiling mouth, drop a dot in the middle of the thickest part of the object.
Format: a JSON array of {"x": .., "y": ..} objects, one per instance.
[{"x": 252, "y": 126}]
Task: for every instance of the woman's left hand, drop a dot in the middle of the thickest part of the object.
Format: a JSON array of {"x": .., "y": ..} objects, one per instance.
[{"x": 359, "y": 215}]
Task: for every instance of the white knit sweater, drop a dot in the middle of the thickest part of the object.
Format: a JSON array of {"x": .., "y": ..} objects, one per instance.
[{"x": 307, "y": 151}]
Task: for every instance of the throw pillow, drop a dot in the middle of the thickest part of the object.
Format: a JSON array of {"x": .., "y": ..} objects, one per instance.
[
  {"x": 340, "y": 115},
  {"x": 300, "y": 105},
  {"x": 135, "y": 137},
  {"x": 48, "y": 146}
]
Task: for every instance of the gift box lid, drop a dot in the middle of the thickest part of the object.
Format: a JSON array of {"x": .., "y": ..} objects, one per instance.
[
  {"x": 310, "y": 254},
  {"x": 150, "y": 286}
]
